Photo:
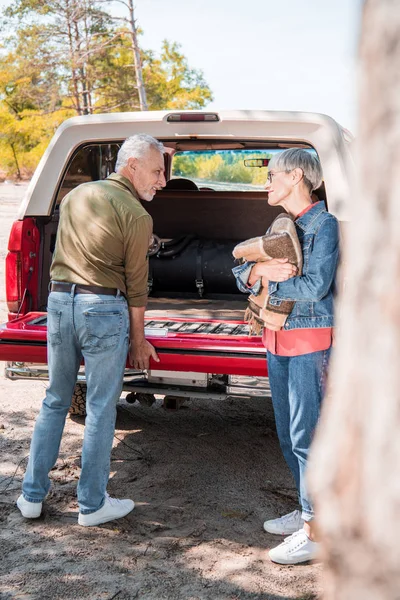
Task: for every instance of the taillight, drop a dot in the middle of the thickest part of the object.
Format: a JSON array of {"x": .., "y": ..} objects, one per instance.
[
  {"x": 13, "y": 281},
  {"x": 21, "y": 265},
  {"x": 13, "y": 268}
]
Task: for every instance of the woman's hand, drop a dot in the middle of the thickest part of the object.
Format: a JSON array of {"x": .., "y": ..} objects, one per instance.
[{"x": 276, "y": 269}]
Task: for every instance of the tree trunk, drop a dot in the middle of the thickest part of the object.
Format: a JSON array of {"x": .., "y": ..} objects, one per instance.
[
  {"x": 16, "y": 161},
  {"x": 136, "y": 55},
  {"x": 72, "y": 60},
  {"x": 355, "y": 461}
]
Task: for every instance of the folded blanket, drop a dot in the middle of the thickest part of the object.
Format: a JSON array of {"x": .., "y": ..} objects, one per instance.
[{"x": 280, "y": 241}]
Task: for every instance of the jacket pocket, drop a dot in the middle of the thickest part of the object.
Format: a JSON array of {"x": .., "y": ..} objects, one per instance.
[
  {"x": 275, "y": 301},
  {"x": 103, "y": 329}
]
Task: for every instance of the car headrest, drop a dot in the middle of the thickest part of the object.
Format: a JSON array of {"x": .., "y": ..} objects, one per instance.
[{"x": 180, "y": 183}]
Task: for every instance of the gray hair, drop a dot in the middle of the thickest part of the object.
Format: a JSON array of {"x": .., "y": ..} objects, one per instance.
[
  {"x": 136, "y": 146},
  {"x": 294, "y": 158}
]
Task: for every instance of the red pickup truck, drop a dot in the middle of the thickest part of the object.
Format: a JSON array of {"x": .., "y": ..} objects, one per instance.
[{"x": 216, "y": 165}]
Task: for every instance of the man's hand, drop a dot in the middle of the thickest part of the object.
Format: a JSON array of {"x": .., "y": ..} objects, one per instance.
[
  {"x": 276, "y": 269},
  {"x": 140, "y": 350},
  {"x": 140, "y": 354}
]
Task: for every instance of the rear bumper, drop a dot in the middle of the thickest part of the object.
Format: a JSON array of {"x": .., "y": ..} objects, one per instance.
[
  {"x": 183, "y": 345},
  {"x": 182, "y": 384},
  {"x": 26, "y": 370}
]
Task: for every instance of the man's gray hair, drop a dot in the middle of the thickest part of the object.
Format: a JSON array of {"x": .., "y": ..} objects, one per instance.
[
  {"x": 294, "y": 158},
  {"x": 136, "y": 146}
]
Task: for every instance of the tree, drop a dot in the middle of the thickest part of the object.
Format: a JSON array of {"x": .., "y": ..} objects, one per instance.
[
  {"x": 356, "y": 455},
  {"x": 29, "y": 74},
  {"x": 31, "y": 106},
  {"x": 67, "y": 57},
  {"x": 170, "y": 82},
  {"x": 74, "y": 31},
  {"x": 132, "y": 31}
]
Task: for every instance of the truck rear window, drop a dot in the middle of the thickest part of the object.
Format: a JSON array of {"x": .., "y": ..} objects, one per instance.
[
  {"x": 220, "y": 169},
  {"x": 239, "y": 170},
  {"x": 89, "y": 163}
]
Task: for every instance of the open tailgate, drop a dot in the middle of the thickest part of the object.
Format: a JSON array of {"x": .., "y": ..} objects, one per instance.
[{"x": 198, "y": 345}]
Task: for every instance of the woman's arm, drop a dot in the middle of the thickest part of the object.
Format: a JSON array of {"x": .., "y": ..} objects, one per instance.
[
  {"x": 250, "y": 276},
  {"x": 276, "y": 269},
  {"x": 321, "y": 269}
]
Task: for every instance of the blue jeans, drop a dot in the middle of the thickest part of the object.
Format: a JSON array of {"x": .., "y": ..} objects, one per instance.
[
  {"x": 95, "y": 328},
  {"x": 297, "y": 387}
]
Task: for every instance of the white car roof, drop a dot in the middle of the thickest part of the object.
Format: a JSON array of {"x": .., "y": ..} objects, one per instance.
[{"x": 322, "y": 132}]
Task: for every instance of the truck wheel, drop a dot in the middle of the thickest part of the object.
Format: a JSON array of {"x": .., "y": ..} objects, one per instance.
[{"x": 78, "y": 404}]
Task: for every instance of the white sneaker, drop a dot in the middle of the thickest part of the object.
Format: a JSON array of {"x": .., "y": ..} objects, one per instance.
[
  {"x": 297, "y": 548},
  {"x": 29, "y": 510},
  {"x": 111, "y": 509},
  {"x": 285, "y": 525}
]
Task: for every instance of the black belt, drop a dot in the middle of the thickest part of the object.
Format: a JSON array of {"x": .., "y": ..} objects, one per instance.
[{"x": 63, "y": 286}]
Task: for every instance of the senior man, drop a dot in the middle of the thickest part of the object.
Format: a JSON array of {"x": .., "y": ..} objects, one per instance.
[{"x": 96, "y": 306}]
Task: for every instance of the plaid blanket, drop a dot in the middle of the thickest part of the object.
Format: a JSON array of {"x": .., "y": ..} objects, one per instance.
[{"x": 280, "y": 241}]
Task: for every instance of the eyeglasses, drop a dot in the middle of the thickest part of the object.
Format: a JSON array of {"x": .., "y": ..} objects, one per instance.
[{"x": 271, "y": 175}]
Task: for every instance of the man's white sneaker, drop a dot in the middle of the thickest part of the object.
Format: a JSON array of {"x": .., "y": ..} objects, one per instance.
[
  {"x": 285, "y": 525},
  {"x": 297, "y": 548},
  {"x": 111, "y": 509},
  {"x": 29, "y": 510}
]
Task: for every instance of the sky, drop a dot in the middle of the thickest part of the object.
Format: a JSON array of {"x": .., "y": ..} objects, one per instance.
[{"x": 265, "y": 54}]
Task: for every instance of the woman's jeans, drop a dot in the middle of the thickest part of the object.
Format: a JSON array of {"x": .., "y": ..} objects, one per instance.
[
  {"x": 297, "y": 387},
  {"x": 95, "y": 328}
]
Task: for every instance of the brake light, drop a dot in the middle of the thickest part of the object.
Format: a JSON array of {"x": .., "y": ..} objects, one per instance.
[
  {"x": 192, "y": 117},
  {"x": 13, "y": 281},
  {"x": 21, "y": 264},
  {"x": 13, "y": 268}
]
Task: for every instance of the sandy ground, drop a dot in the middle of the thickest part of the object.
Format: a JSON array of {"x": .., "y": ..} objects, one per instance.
[{"x": 203, "y": 477}]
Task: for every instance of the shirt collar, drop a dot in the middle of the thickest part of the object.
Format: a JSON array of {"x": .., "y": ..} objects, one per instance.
[
  {"x": 305, "y": 220},
  {"x": 123, "y": 181},
  {"x": 303, "y": 212}
]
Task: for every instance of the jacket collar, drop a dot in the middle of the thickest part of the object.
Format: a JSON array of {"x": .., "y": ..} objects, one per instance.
[
  {"x": 124, "y": 182},
  {"x": 306, "y": 221}
]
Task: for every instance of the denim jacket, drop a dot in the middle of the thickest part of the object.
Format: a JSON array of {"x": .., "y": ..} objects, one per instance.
[{"x": 313, "y": 291}]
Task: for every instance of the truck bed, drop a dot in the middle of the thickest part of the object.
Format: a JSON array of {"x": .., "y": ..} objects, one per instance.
[{"x": 196, "y": 308}]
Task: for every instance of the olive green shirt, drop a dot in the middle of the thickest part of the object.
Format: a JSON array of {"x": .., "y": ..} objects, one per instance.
[{"x": 103, "y": 238}]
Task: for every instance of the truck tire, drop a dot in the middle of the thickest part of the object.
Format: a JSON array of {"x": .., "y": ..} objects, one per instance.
[{"x": 78, "y": 403}]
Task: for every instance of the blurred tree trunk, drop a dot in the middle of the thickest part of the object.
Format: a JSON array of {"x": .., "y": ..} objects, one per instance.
[
  {"x": 16, "y": 161},
  {"x": 355, "y": 462},
  {"x": 136, "y": 57}
]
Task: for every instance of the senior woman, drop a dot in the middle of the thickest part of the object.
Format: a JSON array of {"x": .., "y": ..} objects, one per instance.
[{"x": 298, "y": 354}]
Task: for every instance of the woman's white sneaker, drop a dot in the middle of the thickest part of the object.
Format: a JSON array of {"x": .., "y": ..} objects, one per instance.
[
  {"x": 29, "y": 510},
  {"x": 297, "y": 548},
  {"x": 285, "y": 525},
  {"x": 111, "y": 509}
]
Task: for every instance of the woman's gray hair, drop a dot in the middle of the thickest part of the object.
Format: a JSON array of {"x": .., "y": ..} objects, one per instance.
[
  {"x": 136, "y": 146},
  {"x": 294, "y": 158}
]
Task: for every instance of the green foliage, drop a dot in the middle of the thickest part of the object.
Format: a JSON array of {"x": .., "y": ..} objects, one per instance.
[
  {"x": 67, "y": 57},
  {"x": 170, "y": 83},
  {"x": 24, "y": 137},
  {"x": 220, "y": 166}
]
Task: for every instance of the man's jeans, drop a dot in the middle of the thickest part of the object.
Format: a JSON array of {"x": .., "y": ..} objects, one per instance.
[
  {"x": 297, "y": 387},
  {"x": 97, "y": 329}
]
